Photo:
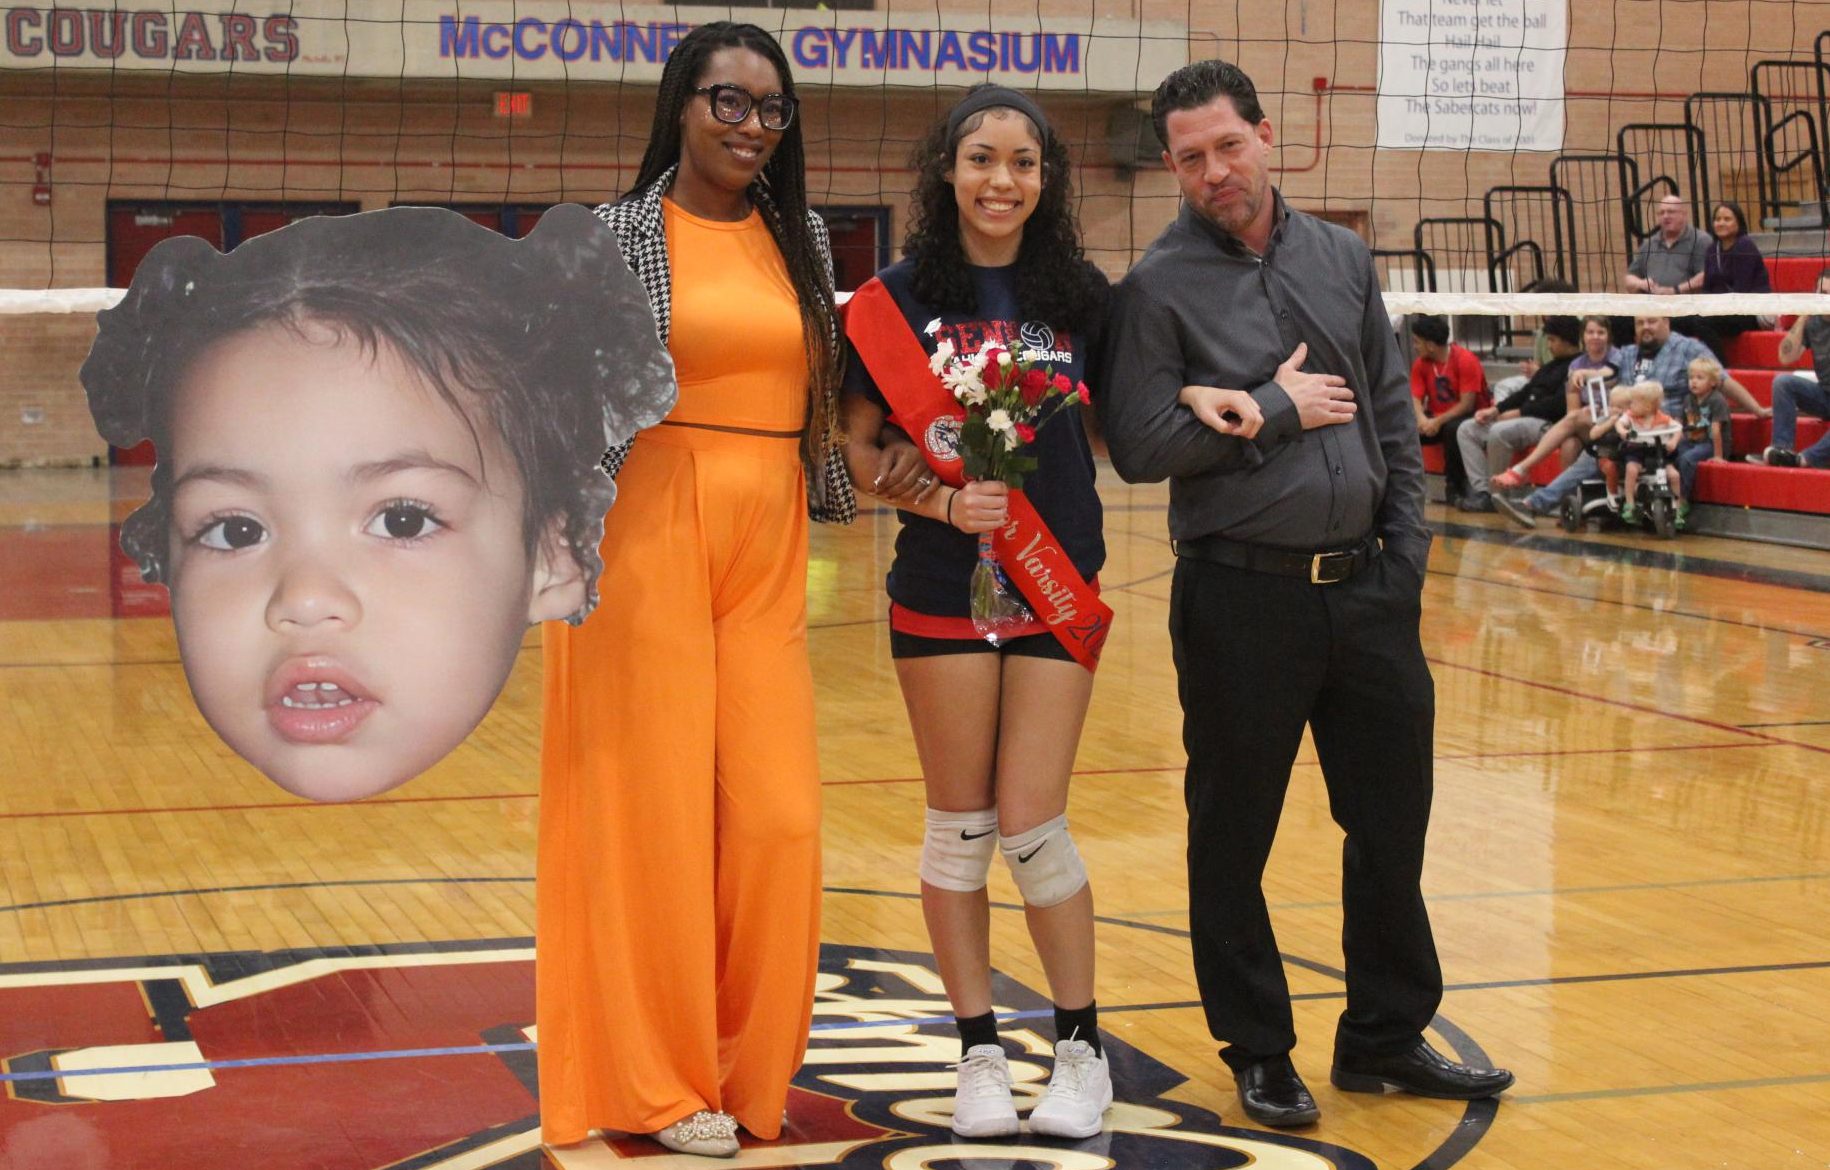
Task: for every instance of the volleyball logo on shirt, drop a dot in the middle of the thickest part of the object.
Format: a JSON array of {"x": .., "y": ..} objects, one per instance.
[
  {"x": 942, "y": 439},
  {"x": 1036, "y": 335}
]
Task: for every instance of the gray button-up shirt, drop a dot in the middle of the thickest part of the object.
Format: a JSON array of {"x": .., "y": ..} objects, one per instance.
[
  {"x": 1670, "y": 265},
  {"x": 1200, "y": 308}
]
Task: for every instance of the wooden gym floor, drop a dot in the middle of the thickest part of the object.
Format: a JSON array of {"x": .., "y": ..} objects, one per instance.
[{"x": 1629, "y": 864}]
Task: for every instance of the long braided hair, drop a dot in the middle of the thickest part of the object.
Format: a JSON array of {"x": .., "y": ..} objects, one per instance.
[{"x": 780, "y": 195}]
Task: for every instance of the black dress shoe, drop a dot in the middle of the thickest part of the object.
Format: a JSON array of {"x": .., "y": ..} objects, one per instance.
[
  {"x": 1422, "y": 1071},
  {"x": 1274, "y": 1095}
]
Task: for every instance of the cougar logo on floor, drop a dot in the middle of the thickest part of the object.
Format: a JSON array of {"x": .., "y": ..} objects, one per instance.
[{"x": 421, "y": 1057}]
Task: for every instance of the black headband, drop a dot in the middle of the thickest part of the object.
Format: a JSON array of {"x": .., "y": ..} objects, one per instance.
[{"x": 990, "y": 97}]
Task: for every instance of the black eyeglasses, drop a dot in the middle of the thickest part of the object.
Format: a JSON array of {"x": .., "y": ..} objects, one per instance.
[{"x": 732, "y": 104}]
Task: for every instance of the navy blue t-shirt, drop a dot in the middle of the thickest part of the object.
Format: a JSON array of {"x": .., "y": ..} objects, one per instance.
[{"x": 932, "y": 572}]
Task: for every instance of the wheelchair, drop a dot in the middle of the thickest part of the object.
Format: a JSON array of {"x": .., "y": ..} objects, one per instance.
[{"x": 1590, "y": 503}]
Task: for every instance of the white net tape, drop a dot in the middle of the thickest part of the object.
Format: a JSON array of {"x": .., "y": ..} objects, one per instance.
[{"x": 24, "y": 301}]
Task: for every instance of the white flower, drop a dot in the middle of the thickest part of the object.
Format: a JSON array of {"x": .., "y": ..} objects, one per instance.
[
  {"x": 1000, "y": 421},
  {"x": 964, "y": 383},
  {"x": 1004, "y": 358},
  {"x": 976, "y": 363},
  {"x": 932, "y": 327},
  {"x": 943, "y": 353}
]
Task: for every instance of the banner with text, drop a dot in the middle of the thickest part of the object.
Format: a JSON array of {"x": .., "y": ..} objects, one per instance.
[
  {"x": 1472, "y": 74},
  {"x": 588, "y": 41}
]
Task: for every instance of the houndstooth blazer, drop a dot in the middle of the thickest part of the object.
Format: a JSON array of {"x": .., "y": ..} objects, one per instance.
[{"x": 640, "y": 230}]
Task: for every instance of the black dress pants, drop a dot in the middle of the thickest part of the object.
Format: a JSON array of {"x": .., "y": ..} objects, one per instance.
[
  {"x": 1455, "y": 475},
  {"x": 1258, "y": 657}
]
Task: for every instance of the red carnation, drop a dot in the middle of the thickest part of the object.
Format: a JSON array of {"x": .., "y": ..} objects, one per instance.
[
  {"x": 1034, "y": 386},
  {"x": 994, "y": 367},
  {"x": 1026, "y": 433},
  {"x": 1063, "y": 385},
  {"x": 1083, "y": 395}
]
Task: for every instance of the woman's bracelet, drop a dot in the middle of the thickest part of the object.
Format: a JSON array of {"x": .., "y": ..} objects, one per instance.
[{"x": 950, "y": 499}]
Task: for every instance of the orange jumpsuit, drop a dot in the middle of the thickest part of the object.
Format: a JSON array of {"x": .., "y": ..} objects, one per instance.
[{"x": 677, "y": 930}]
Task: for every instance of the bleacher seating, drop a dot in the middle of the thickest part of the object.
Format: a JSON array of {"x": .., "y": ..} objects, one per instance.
[{"x": 1753, "y": 360}]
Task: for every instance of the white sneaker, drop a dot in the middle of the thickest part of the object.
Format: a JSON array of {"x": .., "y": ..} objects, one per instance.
[
  {"x": 981, "y": 1104},
  {"x": 1079, "y": 1093}
]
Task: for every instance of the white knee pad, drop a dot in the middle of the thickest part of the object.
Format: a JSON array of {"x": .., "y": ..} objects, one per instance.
[
  {"x": 1045, "y": 863},
  {"x": 956, "y": 852}
]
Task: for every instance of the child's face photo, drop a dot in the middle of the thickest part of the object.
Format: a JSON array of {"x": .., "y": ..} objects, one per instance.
[
  {"x": 349, "y": 576},
  {"x": 1701, "y": 383},
  {"x": 378, "y": 440}
]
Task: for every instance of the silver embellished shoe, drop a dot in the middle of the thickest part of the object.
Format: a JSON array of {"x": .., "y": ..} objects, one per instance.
[{"x": 708, "y": 1134}]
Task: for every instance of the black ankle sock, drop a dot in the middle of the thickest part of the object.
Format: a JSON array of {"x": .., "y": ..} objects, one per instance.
[
  {"x": 976, "y": 1030},
  {"x": 1079, "y": 1024}
]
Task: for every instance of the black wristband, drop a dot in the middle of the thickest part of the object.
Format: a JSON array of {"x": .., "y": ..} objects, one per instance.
[{"x": 950, "y": 500}]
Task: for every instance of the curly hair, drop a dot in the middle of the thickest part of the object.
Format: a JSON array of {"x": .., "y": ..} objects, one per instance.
[
  {"x": 549, "y": 341},
  {"x": 1055, "y": 281},
  {"x": 780, "y": 195}
]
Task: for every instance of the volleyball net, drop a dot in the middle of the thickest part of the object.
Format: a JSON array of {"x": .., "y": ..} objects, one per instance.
[{"x": 1481, "y": 147}]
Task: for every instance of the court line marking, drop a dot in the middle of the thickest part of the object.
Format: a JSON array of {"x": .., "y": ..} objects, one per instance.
[
  {"x": 1570, "y": 692},
  {"x": 1642, "y": 708},
  {"x": 1007, "y": 1017},
  {"x": 383, "y": 801},
  {"x": 1640, "y": 558},
  {"x": 1729, "y": 570},
  {"x": 1662, "y": 1090},
  {"x": 1549, "y": 892},
  {"x": 1641, "y": 606}
]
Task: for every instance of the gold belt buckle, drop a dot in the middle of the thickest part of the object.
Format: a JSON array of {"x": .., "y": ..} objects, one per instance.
[{"x": 1315, "y": 569}]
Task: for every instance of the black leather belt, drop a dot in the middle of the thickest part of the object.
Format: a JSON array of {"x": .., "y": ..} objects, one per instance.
[{"x": 1321, "y": 568}]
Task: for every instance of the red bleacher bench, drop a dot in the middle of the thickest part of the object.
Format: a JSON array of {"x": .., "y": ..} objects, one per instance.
[
  {"x": 1760, "y": 347},
  {"x": 1752, "y": 433},
  {"x": 1795, "y": 273},
  {"x": 1747, "y": 485}
]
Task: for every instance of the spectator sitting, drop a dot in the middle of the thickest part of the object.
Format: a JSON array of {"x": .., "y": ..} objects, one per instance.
[
  {"x": 1600, "y": 455},
  {"x": 1605, "y": 439},
  {"x": 1598, "y": 359},
  {"x": 1661, "y": 354},
  {"x": 1642, "y": 446},
  {"x": 1792, "y": 391},
  {"x": 1540, "y": 348},
  {"x": 1516, "y": 423},
  {"x": 1732, "y": 265},
  {"x": 1671, "y": 260},
  {"x": 1447, "y": 386},
  {"x": 1708, "y": 431}
]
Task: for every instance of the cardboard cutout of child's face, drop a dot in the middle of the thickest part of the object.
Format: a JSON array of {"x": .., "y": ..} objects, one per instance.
[{"x": 349, "y": 559}]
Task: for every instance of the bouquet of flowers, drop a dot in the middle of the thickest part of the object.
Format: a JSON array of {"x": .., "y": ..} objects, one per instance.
[{"x": 1006, "y": 395}]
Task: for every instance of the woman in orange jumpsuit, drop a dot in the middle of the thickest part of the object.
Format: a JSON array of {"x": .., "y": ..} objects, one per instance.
[{"x": 678, "y": 883}]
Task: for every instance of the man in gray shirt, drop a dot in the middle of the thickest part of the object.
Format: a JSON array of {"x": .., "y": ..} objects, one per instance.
[
  {"x": 1671, "y": 260},
  {"x": 1301, "y": 551}
]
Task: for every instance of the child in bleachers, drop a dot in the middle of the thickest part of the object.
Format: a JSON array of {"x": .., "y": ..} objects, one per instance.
[
  {"x": 1647, "y": 436},
  {"x": 1708, "y": 430},
  {"x": 1604, "y": 438}
]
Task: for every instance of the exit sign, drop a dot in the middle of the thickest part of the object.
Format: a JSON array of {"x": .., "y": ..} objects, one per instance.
[{"x": 514, "y": 104}]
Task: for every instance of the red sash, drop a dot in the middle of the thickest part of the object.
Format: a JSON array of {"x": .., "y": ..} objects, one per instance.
[{"x": 1031, "y": 556}]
